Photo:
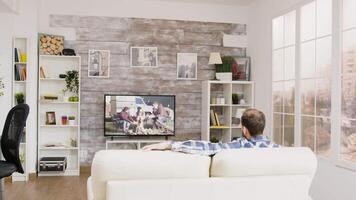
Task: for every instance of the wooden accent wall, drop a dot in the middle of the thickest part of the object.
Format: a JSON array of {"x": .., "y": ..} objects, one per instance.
[{"x": 171, "y": 37}]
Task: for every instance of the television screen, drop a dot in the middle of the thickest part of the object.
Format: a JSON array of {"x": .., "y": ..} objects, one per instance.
[{"x": 139, "y": 115}]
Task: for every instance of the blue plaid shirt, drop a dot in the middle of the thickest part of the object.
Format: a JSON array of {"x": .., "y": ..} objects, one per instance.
[{"x": 208, "y": 148}]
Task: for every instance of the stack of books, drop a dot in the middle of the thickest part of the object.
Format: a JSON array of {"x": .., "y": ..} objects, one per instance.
[
  {"x": 19, "y": 67},
  {"x": 216, "y": 120},
  {"x": 20, "y": 72}
]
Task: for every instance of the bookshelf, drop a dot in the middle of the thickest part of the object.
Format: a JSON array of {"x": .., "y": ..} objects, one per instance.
[
  {"x": 218, "y": 105},
  {"x": 19, "y": 77},
  {"x": 58, "y": 139}
]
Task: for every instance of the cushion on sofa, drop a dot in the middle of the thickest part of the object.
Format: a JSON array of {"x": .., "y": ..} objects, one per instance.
[
  {"x": 264, "y": 162},
  {"x": 293, "y": 187},
  {"x": 133, "y": 165}
]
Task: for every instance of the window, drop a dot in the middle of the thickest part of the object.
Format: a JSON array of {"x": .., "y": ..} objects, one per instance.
[
  {"x": 315, "y": 65},
  {"x": 348, "y": 82},
  {"x": 304, "y": 65},
  {"x": 284, "y": 78}
]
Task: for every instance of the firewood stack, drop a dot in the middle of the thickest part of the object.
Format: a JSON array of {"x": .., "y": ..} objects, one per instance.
[{"x": 51, "y": 45}]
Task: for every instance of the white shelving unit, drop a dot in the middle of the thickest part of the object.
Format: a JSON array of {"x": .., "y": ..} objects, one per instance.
[
  {"x": 226, "y": 110},
  {"x": 61, "y": 134},
  {"x": 19, "y": 85}
]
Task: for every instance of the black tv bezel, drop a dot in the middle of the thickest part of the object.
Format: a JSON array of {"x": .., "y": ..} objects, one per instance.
[{"x": 156, "y": 135}]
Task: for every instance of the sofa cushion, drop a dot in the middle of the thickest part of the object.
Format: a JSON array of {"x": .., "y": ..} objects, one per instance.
[
  {"x": 293, "y": 187},
  {"x": 264, "y": 162},
  {"x": 133, "y": 165}
]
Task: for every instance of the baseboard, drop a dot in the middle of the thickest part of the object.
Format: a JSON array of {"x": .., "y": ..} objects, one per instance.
[{"x": 85, "y": 169}]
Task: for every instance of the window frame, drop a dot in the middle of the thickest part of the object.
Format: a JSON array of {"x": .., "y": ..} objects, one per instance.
[{"x": 284, "y": 81}]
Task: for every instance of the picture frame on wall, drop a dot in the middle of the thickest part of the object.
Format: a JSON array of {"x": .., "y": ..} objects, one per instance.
[
  {"x": 187, "y": 66},
  {"x": 241, "y": 69},
  {"x": 50, "y": 118},
  {"x": 144, "y": 57},
  {"x": 99, "y": 63},
  {"x": 50, "y": 44}
]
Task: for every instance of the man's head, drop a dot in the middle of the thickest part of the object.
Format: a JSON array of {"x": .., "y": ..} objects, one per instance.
[{"x": 253, "y": 121}]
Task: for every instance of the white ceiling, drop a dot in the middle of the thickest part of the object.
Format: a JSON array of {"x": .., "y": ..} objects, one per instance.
[{"x": 219, "y": 2}]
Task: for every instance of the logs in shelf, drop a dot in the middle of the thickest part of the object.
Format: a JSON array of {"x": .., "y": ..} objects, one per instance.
[
  {"x": 227, "y": 130},
  {"x": 58, "y": 133}
]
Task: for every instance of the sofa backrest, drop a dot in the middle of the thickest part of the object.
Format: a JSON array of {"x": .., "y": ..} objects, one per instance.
[
  {"x": 135, "y": 165},
  {"x": 264, "y": 162}
]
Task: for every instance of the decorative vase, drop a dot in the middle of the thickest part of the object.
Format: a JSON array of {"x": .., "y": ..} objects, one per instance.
[
  {"x": 64, "y": 120},
  {"x": 20, "y": 101},
  {"x": 224, "y": 76},
  {"x": 66, "y": 98}
]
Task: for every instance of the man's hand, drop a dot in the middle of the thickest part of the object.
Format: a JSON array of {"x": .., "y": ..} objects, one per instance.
[{"x": 160, "y": 146}]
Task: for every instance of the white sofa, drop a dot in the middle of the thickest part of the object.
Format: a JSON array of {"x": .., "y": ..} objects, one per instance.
[{"x": 246, "y": 174}]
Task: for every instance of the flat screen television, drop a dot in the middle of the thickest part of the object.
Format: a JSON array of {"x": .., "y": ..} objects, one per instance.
[{"x": 139, "y": 115}]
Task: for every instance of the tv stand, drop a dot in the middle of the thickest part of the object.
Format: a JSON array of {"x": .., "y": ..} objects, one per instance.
[{"x": 139, "y": 142}]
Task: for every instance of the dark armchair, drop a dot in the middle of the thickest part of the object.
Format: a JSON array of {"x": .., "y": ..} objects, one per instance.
[{"x": 10, "y": 143}]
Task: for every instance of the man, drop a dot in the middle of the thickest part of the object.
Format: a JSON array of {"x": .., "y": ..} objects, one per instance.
[
  {"x": 253, "y": 123},
  {"x": 125, "y": 117}
]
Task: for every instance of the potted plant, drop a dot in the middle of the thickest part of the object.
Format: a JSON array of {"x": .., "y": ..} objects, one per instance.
[
  {"x": 223, "y": 71},
  {"x": 73, "y": 142},
  {"x": 72, "y": 85},
  {"x": 20, "y": 98},
  {"x": 71, "y": 120},
  {"x": 22, "y": 158},
  {"x": 235, "y": 98},
  {"x": 214, "y": 140}
]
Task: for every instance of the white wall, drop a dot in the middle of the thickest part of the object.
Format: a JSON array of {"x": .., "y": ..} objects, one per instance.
[
  {"x": 34, "y": 15},
  {"x": 138, "y": 9},
  {"x": 331, "y": 182},
  {"x": 23, "y": 25}
]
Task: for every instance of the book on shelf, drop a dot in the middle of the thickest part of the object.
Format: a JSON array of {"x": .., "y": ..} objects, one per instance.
[
  {"x": 20, "y": 72},
  {"x": 42, "y": 72},
  {"x": 221, "y": 120},
  {"x": 217, "y": 119},
  {"x": 212, "y": 118},
  {"x": 16, "y": 55}
]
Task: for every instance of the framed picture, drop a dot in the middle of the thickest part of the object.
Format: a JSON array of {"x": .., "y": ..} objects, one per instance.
[
  {"x": 50, "y": 44},
  {"x": 241, "y": 70},
  {"x": 50, "y": 118},
  {"x": 99, "y": 63},
  {"x": 187, "y": 64},
  {"x": 144, "y": 57}
]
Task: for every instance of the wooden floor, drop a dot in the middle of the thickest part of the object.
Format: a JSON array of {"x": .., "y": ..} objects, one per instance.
[{"x": 48, "y": 188}]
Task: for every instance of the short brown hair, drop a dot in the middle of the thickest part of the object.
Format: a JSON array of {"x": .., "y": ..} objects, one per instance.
[{"x": 254, "y": 120}]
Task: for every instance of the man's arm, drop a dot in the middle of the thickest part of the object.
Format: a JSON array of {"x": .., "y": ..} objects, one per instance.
[{"x": 194, "y": 147}]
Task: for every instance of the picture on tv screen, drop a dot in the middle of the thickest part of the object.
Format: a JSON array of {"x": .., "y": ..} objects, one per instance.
[{"x": 139, "y": 115}]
